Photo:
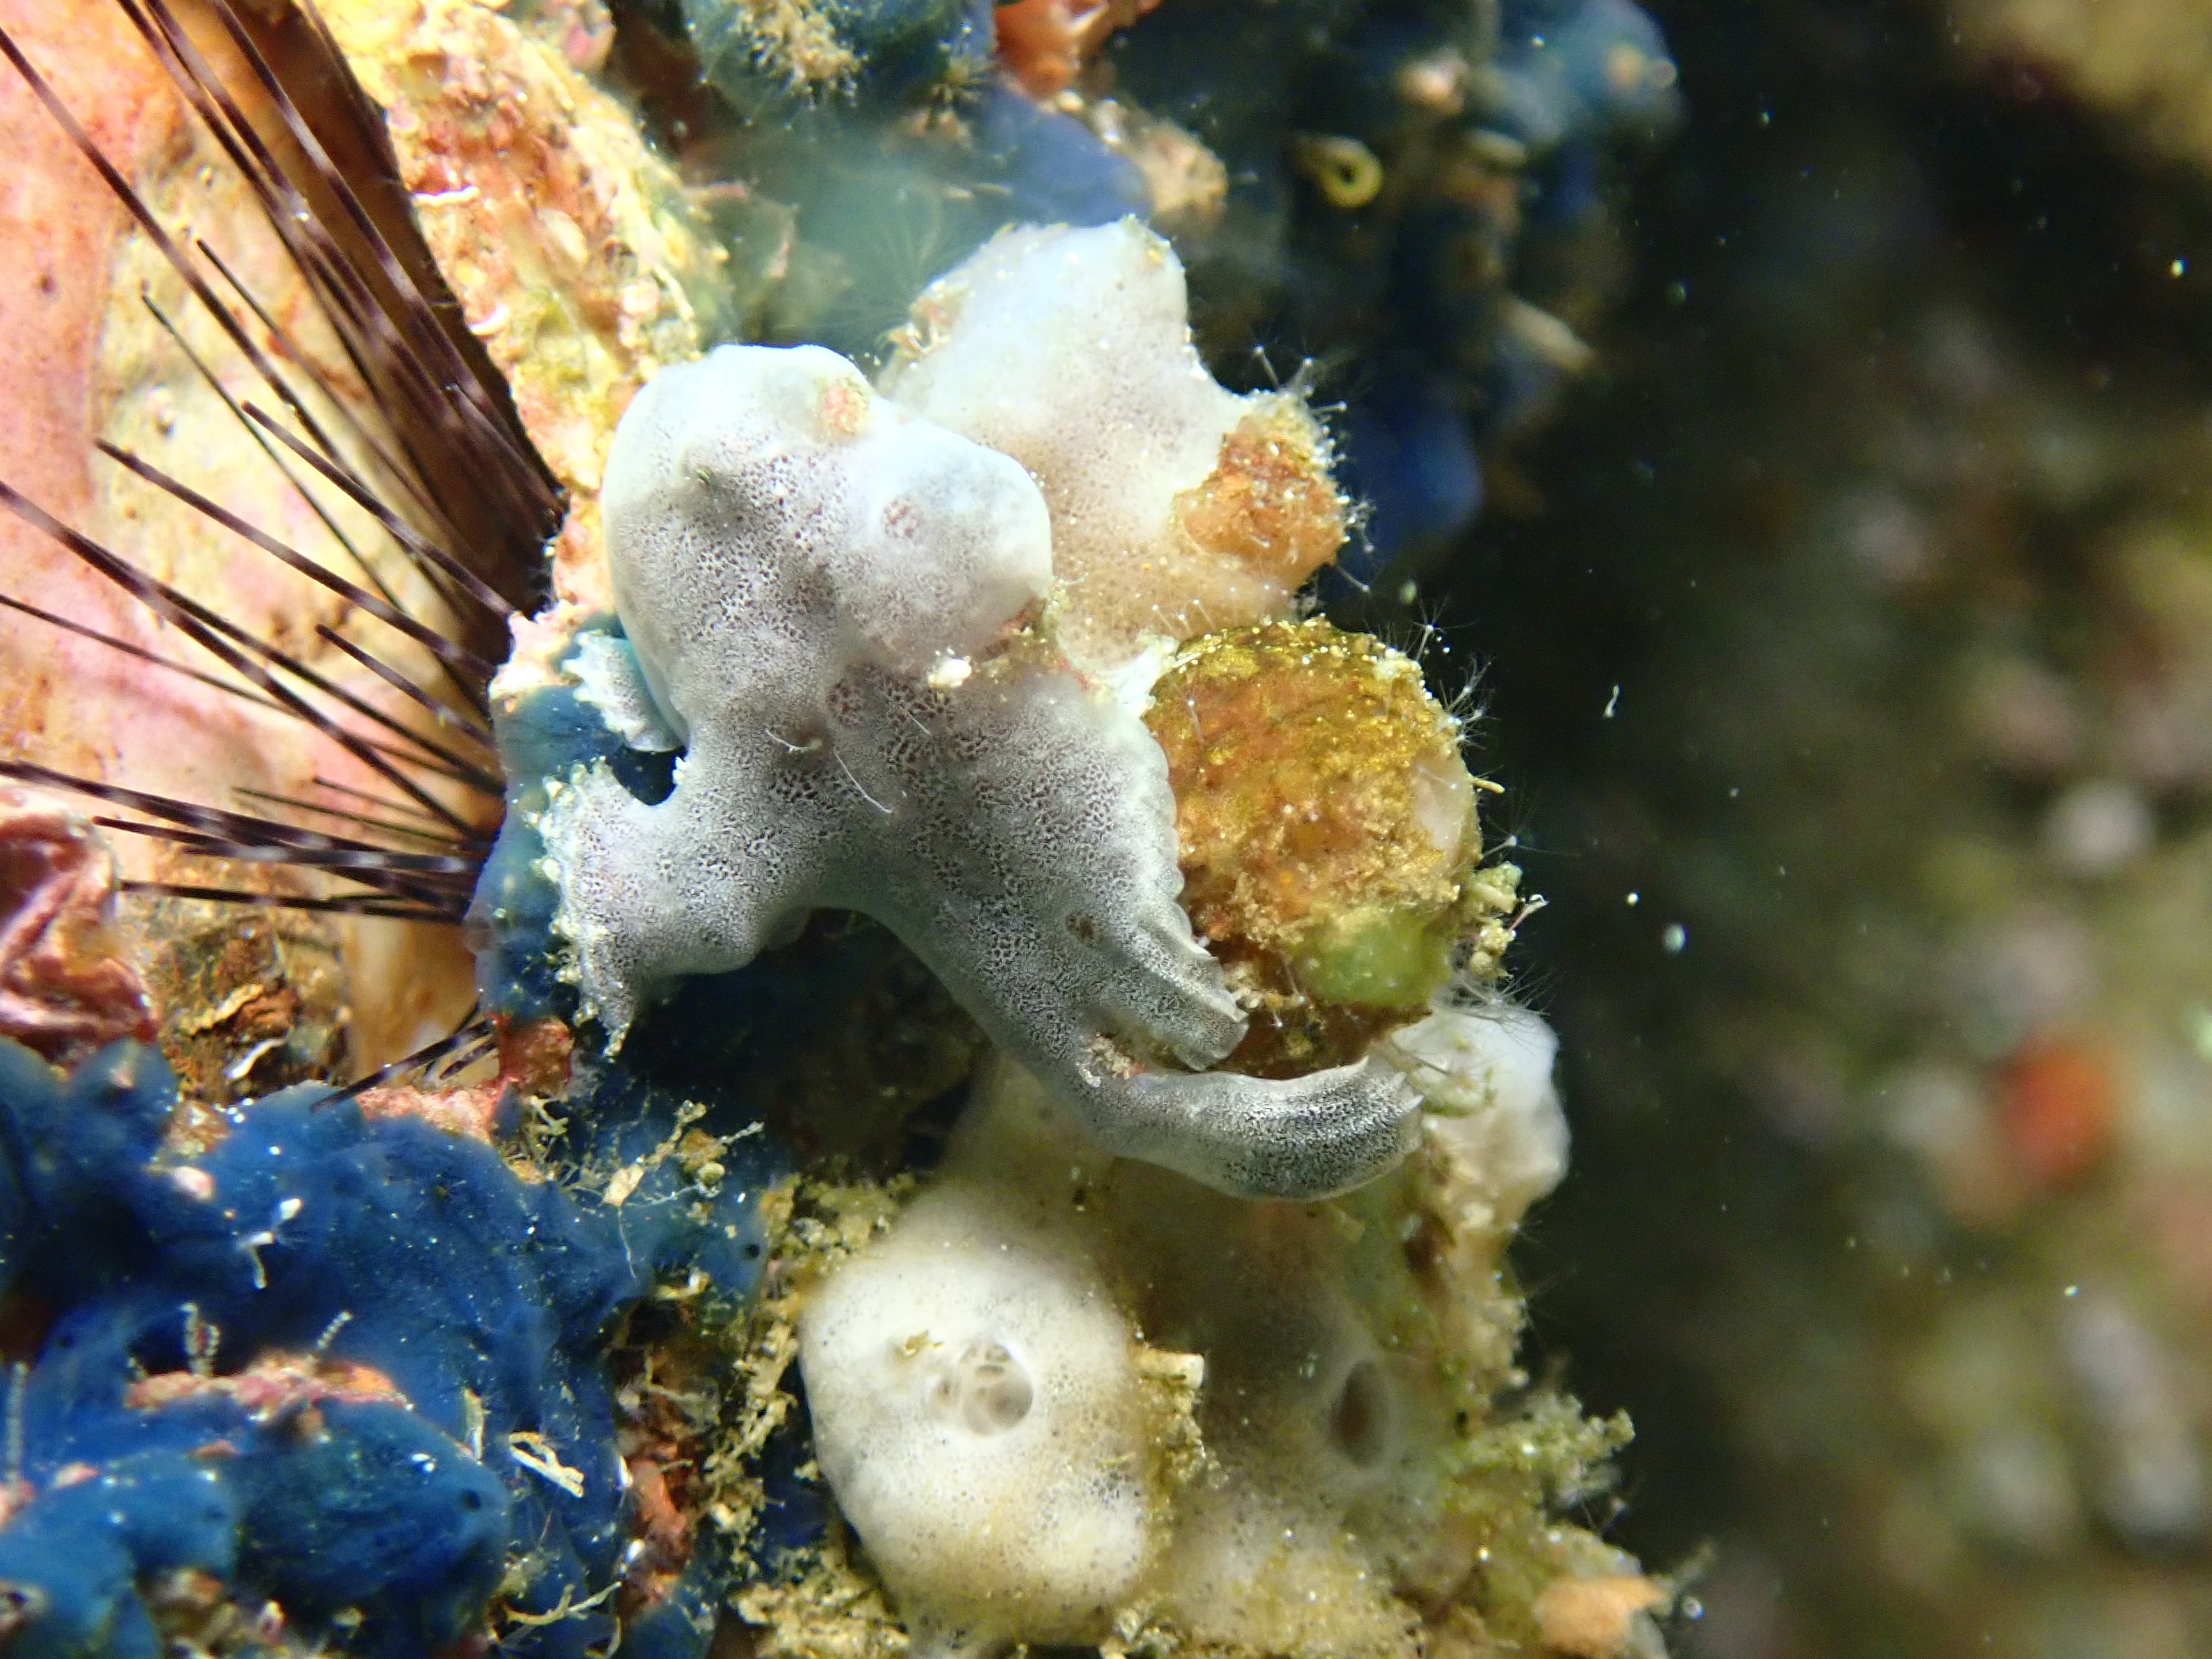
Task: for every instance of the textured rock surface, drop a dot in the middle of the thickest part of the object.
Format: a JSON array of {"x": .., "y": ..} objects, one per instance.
[{"x": 576, "y": 259}]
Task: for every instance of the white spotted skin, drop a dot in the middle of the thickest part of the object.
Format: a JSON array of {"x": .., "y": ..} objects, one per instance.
[{"x": 794, "y": 560}]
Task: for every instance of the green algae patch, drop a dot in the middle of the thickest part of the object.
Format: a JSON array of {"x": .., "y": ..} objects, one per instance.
[{"x": 1384, "y": 955}]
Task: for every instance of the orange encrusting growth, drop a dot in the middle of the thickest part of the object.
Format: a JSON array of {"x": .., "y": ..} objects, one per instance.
[
  {"x": 2059, "y": 1102},
  {"x": 67, "y": 984},
  {"x": 1328, "y": 832},
  {"x": 1596, "y": 1618},
  {"x": 1269, "y": 499},
  {"x": 1044, "y": 43},
  {"x": 276, "y": 1383}
]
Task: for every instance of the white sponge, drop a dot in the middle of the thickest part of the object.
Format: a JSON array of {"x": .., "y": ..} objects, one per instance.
[
  {"x": 1485, "y": 1076},
  {"x": 978, "y": 1410},
  {"x": 1178, "y": 507}
]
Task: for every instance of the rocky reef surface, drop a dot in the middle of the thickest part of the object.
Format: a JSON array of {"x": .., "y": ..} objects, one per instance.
[{"x": 992, "y": 1117}]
